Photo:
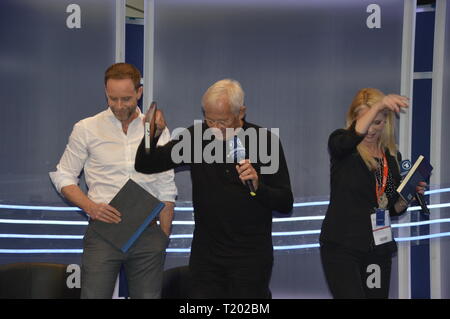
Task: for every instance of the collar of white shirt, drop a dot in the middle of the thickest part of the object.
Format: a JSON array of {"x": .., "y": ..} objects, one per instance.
[{"x": 109, "y": 114}]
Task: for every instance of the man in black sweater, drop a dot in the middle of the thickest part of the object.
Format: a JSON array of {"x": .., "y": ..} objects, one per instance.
[{"x": 232, "y": 252}]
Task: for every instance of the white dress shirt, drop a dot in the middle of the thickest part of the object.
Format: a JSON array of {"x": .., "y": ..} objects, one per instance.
[{"x": 100, "y": 147}]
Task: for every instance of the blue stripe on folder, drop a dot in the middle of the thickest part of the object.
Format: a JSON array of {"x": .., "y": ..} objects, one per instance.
[{"x": 141, "y": 228}]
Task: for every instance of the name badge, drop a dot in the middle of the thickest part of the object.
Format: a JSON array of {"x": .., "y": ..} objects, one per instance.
[{"x": 381, "y": 233}]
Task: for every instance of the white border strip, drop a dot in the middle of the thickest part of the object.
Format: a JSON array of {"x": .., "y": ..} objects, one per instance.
[
  {"x": 187, "y": 236},
  {"x": 188, "y": 209},
  {"x": 137, "y": 21},
  {"x": 405, "y": 130},
  {"x": 436, "y": 140},
  {"x": 120, "y": 30},
  {"x": 423, "y": 75},
  {"x": 31, "y": 236},
  {"x": 41, "y": 251},
  {"x": 187, "y": 250},
  {"x": 43, "y": 222},
  {"x": 149, "y": 54},
  {"x": 190, "y": 222},
  {"x": 425, "y": 8}
]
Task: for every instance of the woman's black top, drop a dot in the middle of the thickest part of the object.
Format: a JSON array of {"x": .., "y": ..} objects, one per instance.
[{"x": 353, "y": 194}]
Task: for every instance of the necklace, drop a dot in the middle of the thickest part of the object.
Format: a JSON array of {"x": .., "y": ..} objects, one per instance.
[{"x": 381, "y": 187}]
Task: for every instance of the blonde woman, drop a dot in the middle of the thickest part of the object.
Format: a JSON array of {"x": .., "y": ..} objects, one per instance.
[{"x": 356, "y": 237}]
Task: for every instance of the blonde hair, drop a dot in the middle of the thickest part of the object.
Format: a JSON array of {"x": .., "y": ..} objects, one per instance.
[
  {"x": 229, "y": 88},
  {"x": 367, "y": 98}
]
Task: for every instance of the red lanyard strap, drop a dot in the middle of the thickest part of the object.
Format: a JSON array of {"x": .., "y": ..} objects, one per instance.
[{"x": 380, "y": 190}]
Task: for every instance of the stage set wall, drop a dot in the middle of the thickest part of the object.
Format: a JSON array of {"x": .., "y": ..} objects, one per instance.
[
  {"x": 300, "y": 64},
  {"x": 440, "y": 252},
  {"x": 52, "y": 76}
]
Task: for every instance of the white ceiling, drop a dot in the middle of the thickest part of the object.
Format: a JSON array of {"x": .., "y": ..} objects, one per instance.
[{"x": 135, "y": 8}]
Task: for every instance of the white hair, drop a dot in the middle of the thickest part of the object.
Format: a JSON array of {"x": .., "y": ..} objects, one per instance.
[{"x": 229, "y": 88}]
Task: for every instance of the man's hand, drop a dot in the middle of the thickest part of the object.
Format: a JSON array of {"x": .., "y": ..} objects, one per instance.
[
  {"x": 247, "y": 172},
  {"x": 160, "y": 122},
  {"x": 166, "y": 217},
  {"x": 103, "y": 212}
]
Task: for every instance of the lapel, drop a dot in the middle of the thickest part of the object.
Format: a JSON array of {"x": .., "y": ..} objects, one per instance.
[{"x": 370, "y": 178}]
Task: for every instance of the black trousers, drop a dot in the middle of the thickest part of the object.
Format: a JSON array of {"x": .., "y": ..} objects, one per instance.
[
  {"x": 356, "y": 275},
  {"x": 230, "y": 278}
]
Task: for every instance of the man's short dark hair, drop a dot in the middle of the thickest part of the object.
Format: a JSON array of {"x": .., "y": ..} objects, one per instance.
[{"x": 120, "y": 71}]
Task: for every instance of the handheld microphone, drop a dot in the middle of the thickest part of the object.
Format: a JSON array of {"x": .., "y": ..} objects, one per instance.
[
  {"x": 405, "y": 166},
  {"x": 423, "y": 204},
  {"x": 238, "y": 151}
]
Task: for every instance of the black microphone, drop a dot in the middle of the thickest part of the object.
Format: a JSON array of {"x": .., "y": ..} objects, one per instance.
[
  {"x": 423, "y": 204},
  {"x": 237, "y": 150},
  {"x": 250, "y": 186}
]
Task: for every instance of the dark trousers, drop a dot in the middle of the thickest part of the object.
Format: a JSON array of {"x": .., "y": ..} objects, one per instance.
[
  {"x": 356, "y": 275},
  {"x": 218, "y": 278}
]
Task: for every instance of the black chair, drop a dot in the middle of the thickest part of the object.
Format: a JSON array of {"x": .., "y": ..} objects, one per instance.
[
  {"x": 176, "y": 282},
  {"x": 35, "y": 281}
]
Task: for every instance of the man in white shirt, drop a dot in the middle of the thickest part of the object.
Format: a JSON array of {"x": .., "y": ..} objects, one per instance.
[{"x": 105, "y": 147}]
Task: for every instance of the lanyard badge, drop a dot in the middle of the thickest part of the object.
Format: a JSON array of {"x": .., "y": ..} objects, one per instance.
[
  {"x": 380, "y": 220},
  {"x": 380, "y": 189},
  {"x": 381, "y": 226}
]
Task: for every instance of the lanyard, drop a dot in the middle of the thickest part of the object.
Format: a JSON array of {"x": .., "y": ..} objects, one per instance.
[{"x": 380, "y": 190}]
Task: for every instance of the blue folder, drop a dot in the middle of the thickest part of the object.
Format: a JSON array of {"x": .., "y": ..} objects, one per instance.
[{"x": 419, "y": 172}]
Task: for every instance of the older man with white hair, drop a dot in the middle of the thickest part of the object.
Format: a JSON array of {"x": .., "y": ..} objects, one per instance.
[{"x": 232, "y": 252}]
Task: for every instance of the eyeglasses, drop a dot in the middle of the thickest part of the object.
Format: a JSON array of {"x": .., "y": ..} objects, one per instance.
[{"x": 219, "y": 123}]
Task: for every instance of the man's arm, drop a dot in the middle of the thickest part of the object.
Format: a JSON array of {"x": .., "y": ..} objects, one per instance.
[
  {"x": 159, "y": 159},
  {"x": 65, "y": 178},
  {"x": 274, "y": 190},
  {"x": 167, "y": 190},
  {"x": 102, "y": 211}
]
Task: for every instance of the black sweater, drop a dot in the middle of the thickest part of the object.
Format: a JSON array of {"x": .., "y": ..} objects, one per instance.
[
  {"x": 228, "y": 221},
  {"x": 353, "y": 197}
]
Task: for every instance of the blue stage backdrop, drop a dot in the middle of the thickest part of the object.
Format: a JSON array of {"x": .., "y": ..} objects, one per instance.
[
  {"x": 53, "y": 55},
  {"x": 52, "y": 76},
  {"x": 299, "y": 62}
]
